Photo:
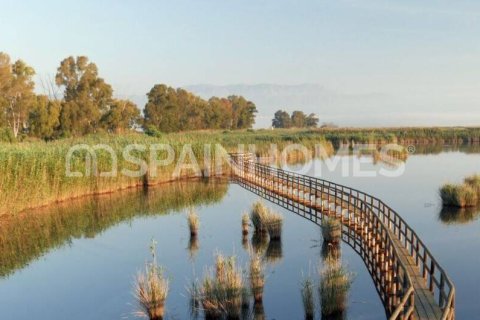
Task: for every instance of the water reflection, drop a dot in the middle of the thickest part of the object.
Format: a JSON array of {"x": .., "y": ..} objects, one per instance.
[
  {"x": 53, "y": 227},
  {"x": 451, "y": 215}
]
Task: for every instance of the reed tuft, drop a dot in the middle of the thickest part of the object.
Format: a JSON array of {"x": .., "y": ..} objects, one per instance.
[
  {"x": 335, "y": 283},
  {"x": 151, "y": 290},
  {"x": 307, "y": 298},
  {"x": 193, "y": 222},
  {"x": 461, "y": 196},
  {"x": 331, "y": 230}
]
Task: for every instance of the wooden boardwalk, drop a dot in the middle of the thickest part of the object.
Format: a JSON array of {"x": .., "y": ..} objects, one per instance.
[{"x": 408, "y": 279}]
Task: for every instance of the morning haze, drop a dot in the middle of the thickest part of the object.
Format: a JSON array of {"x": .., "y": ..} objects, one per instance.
[{"x": 334, "y": 58}]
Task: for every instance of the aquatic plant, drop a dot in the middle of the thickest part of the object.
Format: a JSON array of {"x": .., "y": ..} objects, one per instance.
[
  {"x": 193, "y": 222},
  {"x": 458, "y": 195},
  {"x": 335, "y": 283},
  {"x": 307, "y": 298},
  {"x": 151, "y": 289},
  {"x": 331, "y": 230},
  {"x": 474, "y": 183},
  {"x": 273, "y": 222},
  {"x": 265, "y": 220},
  {"x": 221, "y": 293},
  {"x": 258, "y": 216},
  {"x": 257, "y": 278}
]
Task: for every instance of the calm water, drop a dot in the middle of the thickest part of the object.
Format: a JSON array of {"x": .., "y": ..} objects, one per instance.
[{"x": 78, "y": 260}]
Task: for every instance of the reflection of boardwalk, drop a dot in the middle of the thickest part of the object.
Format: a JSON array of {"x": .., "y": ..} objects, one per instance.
[{"x": 410, "y": 282}]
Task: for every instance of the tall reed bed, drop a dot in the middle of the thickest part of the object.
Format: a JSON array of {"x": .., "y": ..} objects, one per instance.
[
  {"x": 462, "y": 195},
  {"x": 34, "y": 173}
]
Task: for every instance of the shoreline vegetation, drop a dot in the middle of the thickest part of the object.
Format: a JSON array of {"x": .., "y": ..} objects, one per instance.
[{"x": 32, "y": 173}]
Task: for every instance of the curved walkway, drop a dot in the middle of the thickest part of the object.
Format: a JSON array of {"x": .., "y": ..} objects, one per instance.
[{"x": 410, "y": 282}]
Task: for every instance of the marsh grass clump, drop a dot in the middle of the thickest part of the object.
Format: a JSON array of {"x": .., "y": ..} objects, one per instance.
[
  {"x": 257, "y": 278},
  {"x": 307, "y": 298},
  {"x": 461, "y": 196},
  {"x": 265, "y": 220},
  {"x": 257, "y": 216},
  {"x": 193, "y": 222},
  {"x": 151, "y": 290},
  {"x": 474, "y": 183},
  {"x": 221, "y": 293},
  {"x": 245, "y": 224},
  {"x": 273, "y": 222},
  {"x": 331, "y": 250},
  {"x": 335, "y": 282},
  {"x": 331, "y": 230}
]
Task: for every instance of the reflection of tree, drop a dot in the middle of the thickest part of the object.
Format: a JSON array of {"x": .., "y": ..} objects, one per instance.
[
  {"x": 26, "y": 237},
  {"x": 451, "y": 215}
]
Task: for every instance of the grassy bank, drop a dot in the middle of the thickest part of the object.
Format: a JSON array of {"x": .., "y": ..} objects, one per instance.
[{"x": 33, "y": 173}]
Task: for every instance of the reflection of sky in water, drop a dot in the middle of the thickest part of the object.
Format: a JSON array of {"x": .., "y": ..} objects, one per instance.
[
  {"x": 414, "y": 195},
  {"x": 92, "y": 278}
]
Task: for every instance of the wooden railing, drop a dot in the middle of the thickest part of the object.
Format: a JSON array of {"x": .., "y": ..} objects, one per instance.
[{"x": 376, "y": 221}]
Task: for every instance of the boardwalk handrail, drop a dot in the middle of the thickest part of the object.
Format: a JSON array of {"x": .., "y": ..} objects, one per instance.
[{"x": 391, "y": 224}]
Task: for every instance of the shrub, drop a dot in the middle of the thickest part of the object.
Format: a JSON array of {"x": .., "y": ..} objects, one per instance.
[
  {"x": 307, "y": 298},
  {"x": 458, "y": 195},
  {"x": 331, "y": 230}
]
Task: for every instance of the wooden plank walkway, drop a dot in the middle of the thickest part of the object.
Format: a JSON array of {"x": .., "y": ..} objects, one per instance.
[{"x": 405, "y": 271}]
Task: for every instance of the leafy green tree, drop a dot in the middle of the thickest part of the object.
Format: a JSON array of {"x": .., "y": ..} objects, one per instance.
[
  {"x": 243, "y": 112},
  {"x": 86, "y": 96},
  {"x": 311, "y": 121},
  {"x": 122, "y": 115},
  {"x": 16, "y": 93},
  {"x": 162, "y": 110},
  {"x": 44, "y": 118},
  {"x": 282, "y": 120},
  {"x": 298, "y": 119},
  {"x": 170, "y": 110}
]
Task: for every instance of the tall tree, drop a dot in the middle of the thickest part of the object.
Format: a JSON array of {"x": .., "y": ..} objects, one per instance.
[
  {"x": 86, "y": 96},
  {"x": 16, "y": 92},
  {"x": 281, "y": 120},
  {"x": 311, "y": 121},
  {"x": 243, "y": 112},
  {"x": 162, "y": 110},
  {"x": 122, "y": 115},
  {"x": 298, "y": 119},
  {"x": 44, "y": 117}
]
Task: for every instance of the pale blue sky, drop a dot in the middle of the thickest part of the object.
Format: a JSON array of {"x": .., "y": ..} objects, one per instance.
[{"x": 426, "y": 50}]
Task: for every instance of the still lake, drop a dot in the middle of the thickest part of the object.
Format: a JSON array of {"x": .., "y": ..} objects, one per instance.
[{"x": 78, "y": 260}]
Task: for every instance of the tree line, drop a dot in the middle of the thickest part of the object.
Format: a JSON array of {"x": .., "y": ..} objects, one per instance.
[
  {"x": 87, "y": 105},
  {"x": 298, "y": 119}
]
